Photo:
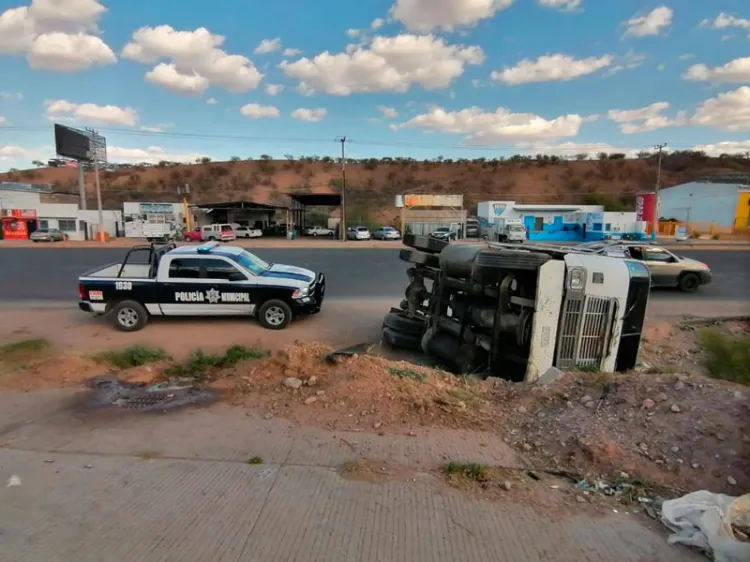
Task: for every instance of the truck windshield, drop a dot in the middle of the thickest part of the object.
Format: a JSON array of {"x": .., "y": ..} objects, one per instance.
[{"x": 252, "y": 263}]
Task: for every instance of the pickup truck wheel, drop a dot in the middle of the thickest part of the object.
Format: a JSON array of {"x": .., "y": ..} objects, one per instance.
[
  {"x": 689, "y": 282},
  {"x": 128, "y": 316},
  {"x": 274, "y": 315},
  {"x": 407, "y": 326}
]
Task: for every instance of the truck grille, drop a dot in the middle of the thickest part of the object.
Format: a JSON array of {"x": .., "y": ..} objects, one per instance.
[{"x": 584, "y": 329}]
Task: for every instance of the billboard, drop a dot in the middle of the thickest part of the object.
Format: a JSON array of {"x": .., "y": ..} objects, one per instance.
[
  {"x": 645, "y": 208},
  {"x": 414, "y": 200},
  {"x": 72, "y": 143}
]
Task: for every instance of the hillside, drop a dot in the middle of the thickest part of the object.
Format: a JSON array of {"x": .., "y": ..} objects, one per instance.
[{"x": 372, "y": 183}]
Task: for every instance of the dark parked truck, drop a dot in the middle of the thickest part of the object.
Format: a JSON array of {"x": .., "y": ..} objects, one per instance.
[{"x": 207, "y": 280}]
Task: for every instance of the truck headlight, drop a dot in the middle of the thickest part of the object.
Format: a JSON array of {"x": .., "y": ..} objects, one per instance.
[
  {"x": 577, "y": 279},
  {"x": 300, "y": 293}
]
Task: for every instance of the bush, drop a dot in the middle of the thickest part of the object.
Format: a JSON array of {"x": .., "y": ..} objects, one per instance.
[
  {"x": 199, "y": 362},
  {"x": 726, "y": 357},
  {"x": 133, "y": 356}
]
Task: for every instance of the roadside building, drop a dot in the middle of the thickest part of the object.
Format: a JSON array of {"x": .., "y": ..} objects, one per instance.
[
  {"x": 424, "y": 213},
  {"x": 25, "y": 208},
  {"x": 704, "y": 206},
  {"x": 563, "y": 223},
  {"x": 245, "y": 213}
]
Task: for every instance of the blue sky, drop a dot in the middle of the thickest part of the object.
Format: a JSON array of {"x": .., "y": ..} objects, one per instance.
[{"x": 422, "y": 78}]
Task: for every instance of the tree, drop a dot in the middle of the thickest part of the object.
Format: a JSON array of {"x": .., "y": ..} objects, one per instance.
[
  {"x": 37, "y": 163},
  {"x": 235, "y": 159},
  {"x": 205, "y": 160},
  {"x": 580, "y": 157}
]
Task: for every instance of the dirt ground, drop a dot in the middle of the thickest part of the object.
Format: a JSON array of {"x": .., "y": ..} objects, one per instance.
[{"x": 666, "y": 424}]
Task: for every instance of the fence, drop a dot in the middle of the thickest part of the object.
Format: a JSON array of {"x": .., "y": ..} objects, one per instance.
[{"x": 698, "y": 229}]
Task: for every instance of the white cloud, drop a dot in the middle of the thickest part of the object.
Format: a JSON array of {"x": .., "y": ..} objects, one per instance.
[
  {"x": 160, "y": 128},
  {"x": 353, "y": 33},
  {"x": 563, "y": 5},
  {"x": 309, "y": 115},
  {"x": 725, "y": 21},
  {"x": 195, "y": 60},
  {"x": 11, "y": 96},
  {"x": 2, "y": 119},
  {"x": 274, "y": 89},
  {"x": 377, "y": 23},
  {"x": 729, "y": 111},
  {"x": 570, "y": 149},
  {"x": 291, "y": 52},
  {"x": 387, "y": 64},
  {"x": 645, "y": 119},
  {"x": 686, "y": 56},
  {"x": 9, "y": 152},
  {"x": 489, "y": 128},
  {"x": 737, "y": 70},
  {"x": 551, "y": 68},
  {"x": 212, "y": 101},
  {"x": 725, "y": 147},
  {"x": 268, "y": 46},
  {"x": 152, "y": 154},
  {"x": 628, "y": 62},
  {"x": 56, "y": 35},
  {"x": 257, "y": 111},
  {"x": 170, "y": 78},
  {"x": 652, "y": 23},
  {"x": 91, "y": 113},
  {"x": 388, "y": 112},
  {"x": 428, "y": 15},
  {"x": 592, "y": 118}
]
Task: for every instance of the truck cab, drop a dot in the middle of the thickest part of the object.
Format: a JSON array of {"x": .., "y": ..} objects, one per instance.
[{"x": 206, "y": 280}]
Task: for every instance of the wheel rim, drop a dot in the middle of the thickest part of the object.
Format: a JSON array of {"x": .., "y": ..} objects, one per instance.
[
  {"x": 690, "y": 283},
  {"x": 127, "y": 317},
  {"x": 275, "y": 316}
]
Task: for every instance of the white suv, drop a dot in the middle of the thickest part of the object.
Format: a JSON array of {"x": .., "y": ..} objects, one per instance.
[{"x": 218, "y": 232}]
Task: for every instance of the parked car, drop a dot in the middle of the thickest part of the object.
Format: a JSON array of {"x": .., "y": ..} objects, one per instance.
[
  {"x": 667, "y": 269},
  {"x": 359, "y": 233},
  {"x": 275, "y": 230},
  {"x": 192, "y": 235},
  {"x": 318, "y": 231},
  {"x": 386, "y": 233},
  {"x": 48, "y": 235},
  {"x": 247, "y": 232},
  {"x": 472, "y": 228},
  {"x": 444, "y": 233},
  {"x": 217, "y": 232}
]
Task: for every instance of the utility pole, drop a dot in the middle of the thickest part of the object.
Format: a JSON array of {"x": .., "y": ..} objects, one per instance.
[
  {"x": 342, "y": 140},
  {"x": 660, "y": 148},
  {"x": 82, "y": 186},
  {"x": 96, "y": 151}
]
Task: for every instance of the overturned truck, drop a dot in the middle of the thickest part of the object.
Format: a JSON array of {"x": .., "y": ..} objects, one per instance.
[{"x": 496, "y": 310}]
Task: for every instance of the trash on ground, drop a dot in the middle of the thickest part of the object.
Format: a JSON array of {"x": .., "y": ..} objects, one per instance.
[
  {"x": 112, "y": 392},
  {"x": 708, "y": 521},
  {"x": 13, "y": 481}
]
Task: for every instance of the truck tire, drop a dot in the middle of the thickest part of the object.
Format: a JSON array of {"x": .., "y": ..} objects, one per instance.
[
  {"x": 488, "y": 263},
  {"x": 399, "y": 340},
  {"x": 274, "y": 314},
  {"x": 419, "y": 258},
  {"x": 457, "y": 261},
  {"x": 404, "y": 324},
  {"x": 128, "y": 316},
  {"x": 425, "y": 243},
  {"x": 688, "y": 282}
]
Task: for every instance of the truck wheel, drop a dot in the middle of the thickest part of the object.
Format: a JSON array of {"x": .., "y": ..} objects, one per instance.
[
  {"x": 128, "y": 316},
  {"x": 274, "y": 314},
  {"x": 404, "y": 324},
  {"x": 689, "y": 282},
  {"x": 419, "y": 258},
  {"x": 400, "y": 340}
]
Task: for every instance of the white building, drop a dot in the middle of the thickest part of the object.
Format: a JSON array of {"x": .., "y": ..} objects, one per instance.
[
  {"x": 23, "y": 211},
  {"x": 563, "y": 223}
]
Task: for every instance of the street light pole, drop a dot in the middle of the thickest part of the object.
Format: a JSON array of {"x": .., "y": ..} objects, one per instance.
[
  {"x": 342, "y": 140},
  {"x": 660, "y": 148}
]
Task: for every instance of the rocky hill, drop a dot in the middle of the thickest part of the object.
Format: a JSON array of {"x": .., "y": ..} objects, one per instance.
[{"x": 372, "y": 184}]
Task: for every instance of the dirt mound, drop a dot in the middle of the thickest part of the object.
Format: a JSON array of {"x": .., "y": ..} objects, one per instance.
[{"x": 304, "y": 383}]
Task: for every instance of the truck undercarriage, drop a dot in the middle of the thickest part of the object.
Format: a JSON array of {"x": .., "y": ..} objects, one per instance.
[{"x": 492, "y": 309}]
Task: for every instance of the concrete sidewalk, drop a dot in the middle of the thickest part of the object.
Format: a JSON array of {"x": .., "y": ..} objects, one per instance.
[{"x": 178, "y": 487}]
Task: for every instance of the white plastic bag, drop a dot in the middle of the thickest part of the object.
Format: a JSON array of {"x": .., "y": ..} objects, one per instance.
[{"x": 704, "y": 520}]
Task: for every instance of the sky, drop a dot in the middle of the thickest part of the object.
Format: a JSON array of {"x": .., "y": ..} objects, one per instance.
[{"x": 178, "y": 80}]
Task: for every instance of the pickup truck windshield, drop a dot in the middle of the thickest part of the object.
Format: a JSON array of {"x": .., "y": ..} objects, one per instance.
[{"x": 252, "y": 263}]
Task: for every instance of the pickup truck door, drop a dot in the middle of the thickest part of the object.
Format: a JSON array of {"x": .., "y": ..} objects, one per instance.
[{"x": 204, "y": 285}]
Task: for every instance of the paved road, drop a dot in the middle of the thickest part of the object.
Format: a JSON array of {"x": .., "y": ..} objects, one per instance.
[{"x": 47, "y": 274}]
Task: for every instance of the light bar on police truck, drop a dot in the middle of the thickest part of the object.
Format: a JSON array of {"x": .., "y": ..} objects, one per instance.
[{"x": 206, "y": 248}]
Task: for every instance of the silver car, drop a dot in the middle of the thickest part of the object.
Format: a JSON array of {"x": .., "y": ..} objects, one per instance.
[
  {"x": 386, "y": 233},
  {"x": 47, "y": 235},
  {"x": 359, "y": 233}
]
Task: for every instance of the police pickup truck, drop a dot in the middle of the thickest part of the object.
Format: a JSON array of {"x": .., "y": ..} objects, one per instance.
[{"x": 212, "y": 279}]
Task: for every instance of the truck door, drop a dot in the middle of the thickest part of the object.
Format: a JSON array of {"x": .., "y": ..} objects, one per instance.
[{"x": 211, "y": 286}]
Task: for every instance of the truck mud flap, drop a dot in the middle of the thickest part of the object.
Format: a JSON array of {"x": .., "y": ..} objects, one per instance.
[
  {"x": 419, "y": 258},
  {"x": 425, "y": 243}
]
